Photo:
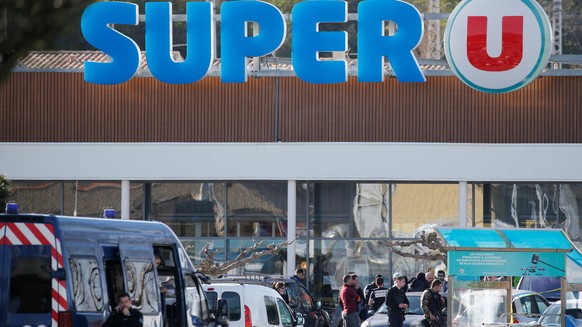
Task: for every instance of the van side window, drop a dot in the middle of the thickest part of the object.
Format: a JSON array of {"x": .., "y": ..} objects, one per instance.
[
  {"x": 86, "y": 280},
  {"x": 30, "y": 279},
  {"x": 142, "y": 286},
  {"x": 114, "y": 280},
  {"x": 272, "y": 312},
  {"x": 233, "y": 300}
]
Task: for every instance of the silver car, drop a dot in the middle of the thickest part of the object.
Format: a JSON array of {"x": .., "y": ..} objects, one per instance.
[
  {"x": 551, "y": 317},
  {"x": 413, "y": 318}
]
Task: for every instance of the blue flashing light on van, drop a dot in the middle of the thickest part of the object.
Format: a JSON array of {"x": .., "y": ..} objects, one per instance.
[{"x": 69, "y": 271}]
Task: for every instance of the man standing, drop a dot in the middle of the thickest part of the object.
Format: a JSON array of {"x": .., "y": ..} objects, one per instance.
[
  {"x": 378, "y": 296},
  {"x": 397, "y": 302},
  {"x": 370, "y": 287},
  {"x": 124, "y": 315},
  {"x": 432, "y": 304},
  {"x": 299, "y": 275},
  {"x": 441, "y": 276},
  {"x": 350, "y": 300}
]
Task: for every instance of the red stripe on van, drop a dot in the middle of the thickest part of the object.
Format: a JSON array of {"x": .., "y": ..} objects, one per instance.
[
  {"x": 2, "y": 232},
  {"x": 14, "y": 230},
  {"x": 42, "y": 238}
]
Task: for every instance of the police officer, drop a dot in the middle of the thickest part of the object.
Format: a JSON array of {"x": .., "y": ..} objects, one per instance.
[
  {"x": 378, "y": 295},
  {"x": 124, "y": 315},
  {"x": 432, "y": 304},
  {"x": 397, "y": 303}
]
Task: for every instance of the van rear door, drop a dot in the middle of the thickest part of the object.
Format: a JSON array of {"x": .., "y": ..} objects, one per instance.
[
  {"x": 30, "y": 255},
  {"x": 140, "y": 280}
]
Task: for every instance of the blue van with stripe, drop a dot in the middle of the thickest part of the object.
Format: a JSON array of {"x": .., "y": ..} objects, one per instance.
[{"x": 58, "y": 271}]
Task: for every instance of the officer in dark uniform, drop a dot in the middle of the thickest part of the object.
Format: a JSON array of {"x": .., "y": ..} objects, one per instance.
[
  {"x": 377, "y": 296},
  {"x": 432, "y": 304},
  {"x": 397, "y": 303},
  {"x": 124, "y": 315}
]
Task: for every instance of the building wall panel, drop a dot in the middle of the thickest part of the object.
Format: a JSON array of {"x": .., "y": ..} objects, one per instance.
[{"x": 62, "y": 107}]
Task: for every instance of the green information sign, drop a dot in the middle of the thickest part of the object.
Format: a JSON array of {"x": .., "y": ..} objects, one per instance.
[{"x": 497, "y": 263}]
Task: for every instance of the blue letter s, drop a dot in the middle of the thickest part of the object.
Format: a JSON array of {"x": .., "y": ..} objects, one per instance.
[{"x": 123, "y": 51}]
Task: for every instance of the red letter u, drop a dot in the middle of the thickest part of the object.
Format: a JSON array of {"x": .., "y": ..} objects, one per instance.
[{"x": 511, "y": 44}]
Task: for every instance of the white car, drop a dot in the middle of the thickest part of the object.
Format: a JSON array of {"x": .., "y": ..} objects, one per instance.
[{"x": 252, "y": 305}]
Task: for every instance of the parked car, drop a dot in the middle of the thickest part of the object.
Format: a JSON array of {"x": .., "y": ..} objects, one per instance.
[
  {"x": 300, "y": 299},
  {"x": 252, "y": 305},
  {"x": 549, "y": 287},
  {"x": 413, "y": 318},
  {"x": 487, "y": 306},
  {"x": 551, "y": 317}
]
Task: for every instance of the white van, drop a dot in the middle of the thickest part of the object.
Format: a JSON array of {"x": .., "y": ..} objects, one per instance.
[
  {"x": 69, "y": 271},
  {"x": 252, "y": 305}
]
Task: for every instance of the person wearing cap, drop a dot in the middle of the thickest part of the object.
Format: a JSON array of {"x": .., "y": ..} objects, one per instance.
[{"x": 396, "y": 275}]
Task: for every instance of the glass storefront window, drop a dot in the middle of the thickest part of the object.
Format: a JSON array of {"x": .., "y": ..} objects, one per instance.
[
  {"x": 330, "y": 209},
  {"x": 256, "y": 209},
  {"x": 194, "y": 249},
  {"x": 476, "y": 211},
  {"x": 270, "y": 264},
  {"x": 418, "y": 205},
  {"x": 190, "y": 209},
  {"x": 546, "y": 205},
  {"x": 83, "y": 198}
]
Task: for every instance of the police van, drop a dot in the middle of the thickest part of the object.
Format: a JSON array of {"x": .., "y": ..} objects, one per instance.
[{"x": 58, "y": 271}]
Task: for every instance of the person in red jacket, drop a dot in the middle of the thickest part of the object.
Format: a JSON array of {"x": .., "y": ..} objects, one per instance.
[{"x": 350, "y": 300}]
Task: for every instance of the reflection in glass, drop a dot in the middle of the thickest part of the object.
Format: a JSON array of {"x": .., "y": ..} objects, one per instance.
[
  {"x": 86, "y": 281},
  {"x": 330, "y": 209},
  {"x": 418, "y": 205},
  {"x": 142, "y": 286},
  {"x": 194, "y": 248},
  {"x": 537, "y": 206},
  {"x": 272, "y": 312},
  {"x": 286, "y": 317},
  {"x": 188, "y": 208},
  {"x": 473, "y": 308},
  {"x": 83, "y": 198},
  {"x": 270, "y": 264},
  {"x": 256, "y": 209},
  {"x": 30, "y": 279}
]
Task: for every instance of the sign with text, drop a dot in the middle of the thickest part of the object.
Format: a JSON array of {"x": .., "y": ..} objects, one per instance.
[
  {"x": 498, "y": 263},
  {"x": 493, "y": 46}
]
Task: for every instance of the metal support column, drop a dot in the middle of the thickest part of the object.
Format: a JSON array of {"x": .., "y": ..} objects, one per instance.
[
  {"x": 125, "y": 199},
  {"x": 462, "y": 204},
  {"x": 291, "y": 226}
]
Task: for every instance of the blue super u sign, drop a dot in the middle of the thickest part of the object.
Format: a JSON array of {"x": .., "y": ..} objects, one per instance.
[{"x": 99, "y": 19}]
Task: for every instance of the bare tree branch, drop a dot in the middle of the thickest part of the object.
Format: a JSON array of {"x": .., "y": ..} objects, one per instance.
[
  {"x": 430, "y": 244},
  {"x": 247, "y": 255}
]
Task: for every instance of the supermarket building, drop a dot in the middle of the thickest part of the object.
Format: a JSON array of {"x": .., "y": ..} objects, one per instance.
[{"x": 336, "y": 168}]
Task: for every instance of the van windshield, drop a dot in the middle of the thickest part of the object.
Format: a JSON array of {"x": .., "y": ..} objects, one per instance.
[{"x": 30, "y": 279}]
